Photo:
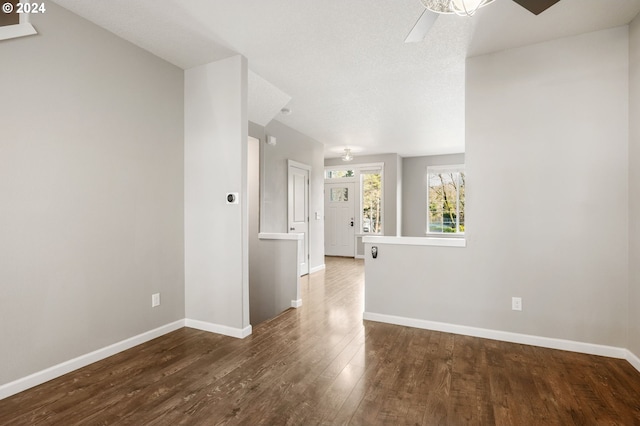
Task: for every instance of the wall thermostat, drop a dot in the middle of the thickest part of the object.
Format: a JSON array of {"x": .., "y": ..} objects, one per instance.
[{"x": 232, "y": 198}]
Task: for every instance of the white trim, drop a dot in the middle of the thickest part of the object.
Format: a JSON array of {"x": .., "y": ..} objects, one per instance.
[
  {"x": 317, "y": 268},
  {"x": 296, "y": 303},
  {"x": 452, "y": 167},
  {"x": 277, "y": 236},
  {"x": 373, "y": 167},
  {"x": 359, "y": 256},
  {"x": 341, "y": 180},
  {"x": 356, "y": 179},
  {"x": 17, "y": 30},
  {"x": 349, "y": 166},
  {"x": 525, "y": 339},
  {"x": 633, "y": 360},
  {"x": 305, "y": 241},
  {"x": 239, "y": 333},
  {"x": 417, "y": 241},
  {"x": 65, "y": 367},
  {"x": 456, "y": 168},
  {"x": 356, "y": 171},
  {"x": 298, "y": 165}
]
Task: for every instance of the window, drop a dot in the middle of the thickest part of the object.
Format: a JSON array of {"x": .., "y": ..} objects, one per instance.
[
  {"x": 371, "y": 202},
  {"x": 9, "y": 15},
  {"x": 445, "y": 200},
  {"x": 339, "y": 194},
  {"x": 14, "y": 18},
  {"x": 339, "y": 174}
]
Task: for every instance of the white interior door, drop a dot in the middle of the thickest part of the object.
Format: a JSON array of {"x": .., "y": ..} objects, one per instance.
[
  {"x": 339, "y": 229},
  {"x": 298, "y": 217}
]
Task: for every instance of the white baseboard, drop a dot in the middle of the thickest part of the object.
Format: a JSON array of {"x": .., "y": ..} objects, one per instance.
[
  {"x": 296, "y": 303},
  {"x": 525, "y": 339},
  {"x": 63, "y": 368},
  {"x": 633, "y": 360},
  {"x": 317, "y": 268},
  {"x": 239, "y": 333},
  {"x": 58, "y": 370}
]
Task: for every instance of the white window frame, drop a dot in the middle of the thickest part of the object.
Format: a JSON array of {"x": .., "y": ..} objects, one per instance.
[
  {"x": 439, "y": 169},
  {"x": 338, "y": 168},
  {"x": 22, "y": 29},
  {"x": 371, "y": 168},
  {"x": 358, "y": 169}
]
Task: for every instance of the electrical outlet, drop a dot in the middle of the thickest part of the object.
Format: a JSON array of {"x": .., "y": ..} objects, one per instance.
[
  {"x": 155, "y": 300},
  {"x": 516, "y": 303}
]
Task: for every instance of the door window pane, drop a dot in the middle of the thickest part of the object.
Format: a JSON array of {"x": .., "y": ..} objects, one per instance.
[{"x": 339, "y": 194}]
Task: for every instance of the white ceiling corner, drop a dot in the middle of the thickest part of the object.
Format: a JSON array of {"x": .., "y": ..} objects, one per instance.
[
  {"x": 161, "y": 27},
  {"x": 265, "y": 99}
]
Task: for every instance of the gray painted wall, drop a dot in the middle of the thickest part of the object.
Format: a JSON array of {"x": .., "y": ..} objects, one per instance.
[
  {"x": 91, "y": 184},
  {"x": 414, "y": 206},
  {"x": 291, "y": 145},
  {"x": 392, "y": 184},
  {"x": 552, "y": 117},
  {"x": 216, "y": 233},
  {"x": 275, "y": 284},
  {"x": 547, "y": 137},
  {"x": 634, "y": 189},
  {"x": 273, "y": 264}
]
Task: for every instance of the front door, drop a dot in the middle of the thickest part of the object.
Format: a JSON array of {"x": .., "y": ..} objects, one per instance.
[
  {"x": 298, "y": 217},
  {"x": 339, "y": 229}
]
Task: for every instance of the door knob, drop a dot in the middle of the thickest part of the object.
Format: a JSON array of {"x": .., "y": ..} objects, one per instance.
[{"x": 292, "y": 229}]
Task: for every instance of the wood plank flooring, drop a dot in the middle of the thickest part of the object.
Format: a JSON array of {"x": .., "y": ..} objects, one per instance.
[{"x": 321, "y": 364}]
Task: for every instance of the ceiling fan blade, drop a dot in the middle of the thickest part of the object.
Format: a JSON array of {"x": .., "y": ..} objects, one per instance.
[
  {"x": 422, "y": 27},
  {"x": 536, "y": 6}
]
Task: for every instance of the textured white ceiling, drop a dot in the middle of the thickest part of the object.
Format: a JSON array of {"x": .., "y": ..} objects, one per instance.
[
  {"x": 352, "y": 80},
  {"x": 265, "y": 100}
]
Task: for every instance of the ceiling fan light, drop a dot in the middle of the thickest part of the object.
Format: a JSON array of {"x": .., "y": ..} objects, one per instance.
[
  {"x": 438, "y": 6},
  {"x": 467, "y": 7},
  {"x": 459, "y": 7}
]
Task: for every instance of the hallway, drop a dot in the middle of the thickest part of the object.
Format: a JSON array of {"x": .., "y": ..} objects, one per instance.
[{"x": 321, "y": 364}]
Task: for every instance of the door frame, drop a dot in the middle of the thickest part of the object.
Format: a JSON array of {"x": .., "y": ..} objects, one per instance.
[
  {"x": 353, "y": 195},
  {"x": 357, "y": 169},
  {"x": 305, "y": 241}
]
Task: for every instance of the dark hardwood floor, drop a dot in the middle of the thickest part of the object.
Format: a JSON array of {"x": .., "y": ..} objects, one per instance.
[{"x": 321, "y": 364}]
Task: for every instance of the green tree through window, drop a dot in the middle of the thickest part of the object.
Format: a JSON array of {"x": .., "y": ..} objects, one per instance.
[
  {"x": 445, "y": 200},
  {"x": 371, "y": 182}
]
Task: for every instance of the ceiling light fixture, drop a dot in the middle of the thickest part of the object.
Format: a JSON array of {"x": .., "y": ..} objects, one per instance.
[
  {"x": 459, "y": 7},
  {"x": 347, "y": 156}
]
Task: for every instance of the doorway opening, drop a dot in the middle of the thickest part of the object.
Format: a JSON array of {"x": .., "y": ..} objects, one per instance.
[
  {"x": 298, "y": 209},
  {"x": 354, "y": 207}
]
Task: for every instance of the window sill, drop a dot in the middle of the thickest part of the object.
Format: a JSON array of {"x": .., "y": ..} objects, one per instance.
[
  {"x": 417, "y": 241},
  {"x": 458, "y": 235},
  {"x": 17, "y": 30}
]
